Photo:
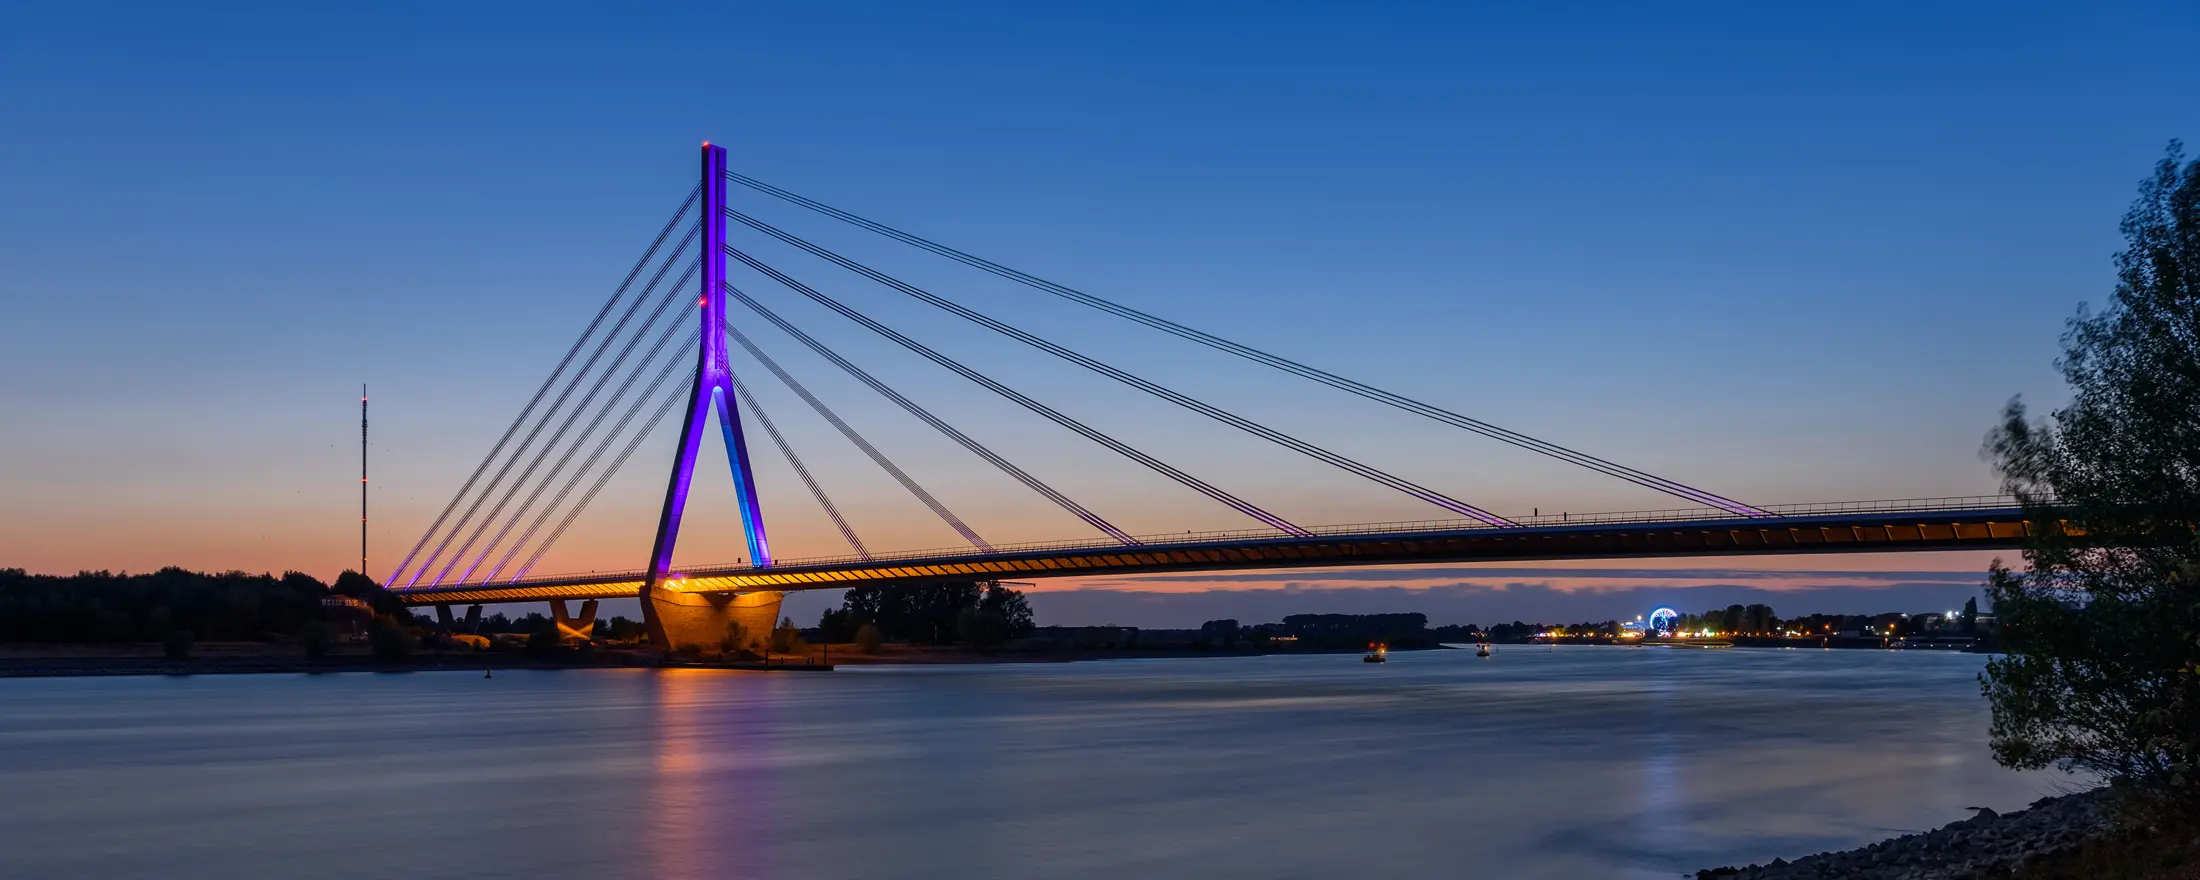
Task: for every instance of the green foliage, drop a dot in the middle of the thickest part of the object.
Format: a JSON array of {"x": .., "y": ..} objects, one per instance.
[
  {"x": 317, "y": 638},
  {"x": 838, "y": 625},
  {"x": 1011, "y": 607},
  {"x": 392, "y": 643},
  {"x": 99, "y": 606},
  {"x": 2103, "y": 624},
  {"x": 916, "y": 613},
  {"x": 979, "y": 628},
  {"x": 1354, "y": 630},
  {"x": 736, "y": 640},
  {"x": 356, "y": 585},
  {"x": 999, "y": 615},
  {"x": 934, "y": 613},
  {"x": 786, "y": 638},
  {"x": 352, "y": 583},
  {"x": 543, "y": 642},
  {"x": 869, "y": 639},
  {"x": 177, "y": 644},
  {"x": 618, "y": 629}
]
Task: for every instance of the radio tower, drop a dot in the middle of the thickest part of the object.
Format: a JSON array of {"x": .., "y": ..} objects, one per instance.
[{"x": 362, "y": 479}]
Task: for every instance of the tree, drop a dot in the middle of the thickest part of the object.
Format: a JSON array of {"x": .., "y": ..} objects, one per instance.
[
  {"x": 998, "y": 615},
  {"x": 1222, "y": 632},
  {"x": 787, "y": 638},
  {"x": 869, "y": 639},
  {"x": 392, "y": 643},
  {"x": 317, "y": 638},
  {"x": 619, "y": 629},
  {"x": 100, "y": 606},
  {"x": 736, "y": 639},
  {"x": 359, "y": 586},
  {"x": 543, "y": 643},
  {"x": 981, "y": 628},
  {"x": 352, "y": 583},
  {"x": 1010, "y": 606},
  {"x": 2103, "y": 624},
  {"x": 865, "y": 604},
  {"x": 838, "y": 625},
  {"x": 926, "y": 612}
]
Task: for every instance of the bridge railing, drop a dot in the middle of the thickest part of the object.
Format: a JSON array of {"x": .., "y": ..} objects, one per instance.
[{"x": 1557, "y": 520}]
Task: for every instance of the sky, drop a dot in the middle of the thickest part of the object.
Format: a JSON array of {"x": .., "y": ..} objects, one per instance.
[{"x": 1783, "y": 252}]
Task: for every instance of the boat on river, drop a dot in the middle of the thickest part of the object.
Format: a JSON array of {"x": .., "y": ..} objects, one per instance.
[{"x": 1377, "y": 653}]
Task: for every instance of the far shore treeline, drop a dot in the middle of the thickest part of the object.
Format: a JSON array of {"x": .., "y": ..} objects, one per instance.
[
  {"x": 174, "y": 603},
  {"x": 100, "y": 606}
]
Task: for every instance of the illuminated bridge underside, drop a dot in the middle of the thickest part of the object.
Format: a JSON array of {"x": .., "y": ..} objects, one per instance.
[{"x": 1838, "y": 533}]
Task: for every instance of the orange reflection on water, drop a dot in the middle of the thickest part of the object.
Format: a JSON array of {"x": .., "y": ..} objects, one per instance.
[{"x": 685, "y": 833}]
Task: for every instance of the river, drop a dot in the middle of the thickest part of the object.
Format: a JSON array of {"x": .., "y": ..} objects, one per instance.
[{"x": 1575, "y": 762}]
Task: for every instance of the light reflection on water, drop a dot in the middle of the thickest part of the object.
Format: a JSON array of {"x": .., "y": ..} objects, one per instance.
[{"x": 1578, "y": 762}]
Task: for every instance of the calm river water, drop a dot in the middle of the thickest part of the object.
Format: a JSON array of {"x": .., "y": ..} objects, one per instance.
[{"x": 1574, "y": 762}]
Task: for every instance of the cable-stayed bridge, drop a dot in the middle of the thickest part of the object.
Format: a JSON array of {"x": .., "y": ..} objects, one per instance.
[{"x": 643, "y": 360}]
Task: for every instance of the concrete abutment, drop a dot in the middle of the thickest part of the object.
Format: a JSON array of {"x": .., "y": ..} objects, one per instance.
[{"x": 700, "y": 621}]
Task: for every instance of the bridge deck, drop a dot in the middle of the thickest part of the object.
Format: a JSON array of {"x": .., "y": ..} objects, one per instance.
[{"x": 1932, "y": 524}]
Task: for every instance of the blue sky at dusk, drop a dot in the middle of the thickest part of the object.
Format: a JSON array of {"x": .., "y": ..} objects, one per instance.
[{"x": 1785, "y": 253}]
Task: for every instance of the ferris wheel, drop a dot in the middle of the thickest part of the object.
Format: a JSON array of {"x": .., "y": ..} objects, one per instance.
[{"x": 1663, "y": 620}]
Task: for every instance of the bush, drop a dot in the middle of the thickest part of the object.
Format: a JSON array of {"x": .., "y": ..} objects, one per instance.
[
  {"x": 2103, "y": 625},
  {"x": 736, "y": 638},
  {"x": 982, "y": 627},
  {"x": 392, "y": 644},
  {"x": 102, "y": 606},
  {"x": 837, "y": 625},
  {"x": 787, "y": 639},
  {"x": 177, "y": 644},
  {"x": 317, "y": 638},
  {"x": 543, "y": 643},
  {"x": 868, "y": 639}
]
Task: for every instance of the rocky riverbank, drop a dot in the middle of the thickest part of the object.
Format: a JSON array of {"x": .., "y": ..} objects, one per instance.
[{"x": 1985, "y": 845}]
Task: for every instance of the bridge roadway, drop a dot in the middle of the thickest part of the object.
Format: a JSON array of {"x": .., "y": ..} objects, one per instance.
[{"x": 1989, "y": 522}]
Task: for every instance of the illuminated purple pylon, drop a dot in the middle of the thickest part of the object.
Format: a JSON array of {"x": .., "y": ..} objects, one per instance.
[{"x": 713, "y": 390}]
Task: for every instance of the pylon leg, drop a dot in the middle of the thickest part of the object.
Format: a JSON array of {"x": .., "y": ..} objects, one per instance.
[
  {"x": 675, "y": 619},
  {"x": 574, "y": 627}
]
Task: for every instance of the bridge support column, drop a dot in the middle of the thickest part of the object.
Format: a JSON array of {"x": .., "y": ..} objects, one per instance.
[
  {"x": 704, "y": 621},
  {"x": 443, "y": 617},
  {"x": 473, "y": 618},
  {"x": 573, "y": 628}
]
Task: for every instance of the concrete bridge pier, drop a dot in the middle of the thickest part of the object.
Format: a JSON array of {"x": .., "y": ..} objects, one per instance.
[
  {"x": 572, "y": 628},
  {"x": 473, "y": 618},
  {"x": 443, "y": 617},
  {"x": 702, "y": 621}
]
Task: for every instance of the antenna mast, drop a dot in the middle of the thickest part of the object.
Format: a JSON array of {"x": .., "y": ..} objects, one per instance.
[{"x": 362, "y": 478}]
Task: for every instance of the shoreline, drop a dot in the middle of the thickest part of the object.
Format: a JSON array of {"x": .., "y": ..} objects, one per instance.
[
  {"x": 99, "y": 661},
  {"x": 1988, "y": 844}
]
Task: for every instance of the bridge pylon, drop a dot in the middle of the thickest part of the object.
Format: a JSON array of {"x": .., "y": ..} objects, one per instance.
[{"x": 678, "y": 619}]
